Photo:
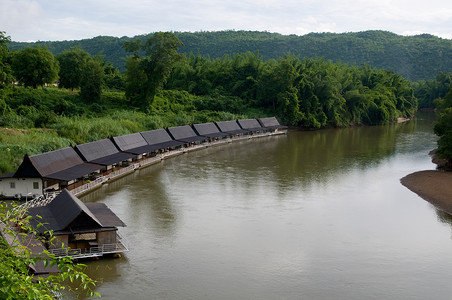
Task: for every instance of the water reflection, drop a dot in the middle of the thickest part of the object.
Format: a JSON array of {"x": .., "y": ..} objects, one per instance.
[
  {"x": 444, "y": 217},
  {"x": 147, "y": 196}
]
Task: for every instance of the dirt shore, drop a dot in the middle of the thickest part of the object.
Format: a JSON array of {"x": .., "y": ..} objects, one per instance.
[{"x": 433, "y": 186}]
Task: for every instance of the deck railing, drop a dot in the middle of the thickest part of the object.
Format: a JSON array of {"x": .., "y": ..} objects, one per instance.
[
  {"x": 119, "y": 247},
  {"x": 121, "y": 171},
  {"x": 88, "y": 186},
  {"x": 150, "y": 160}
]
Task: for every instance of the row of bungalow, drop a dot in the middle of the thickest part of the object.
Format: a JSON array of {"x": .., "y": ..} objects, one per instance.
[{"x": 85, "y": 166}]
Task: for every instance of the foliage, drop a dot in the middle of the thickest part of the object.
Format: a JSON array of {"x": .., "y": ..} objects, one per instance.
[
  {"x": 427, "y": 91},
  {"x": 146, "y": 75},
  {"x": 113, "y": 79},
  {"x": 15, "y": 260},
  {"x": 135, "y": 79},
  {"x": 35, "y": 66},
  {"x": 91, "y": 82},
  {"x": 72, "y": 63},
  {"x": 27, "y": 107},
  {"x": 5, "y": 67},
  {"x": 443, "y": 128},
  {"x": 304, "y": 92}
]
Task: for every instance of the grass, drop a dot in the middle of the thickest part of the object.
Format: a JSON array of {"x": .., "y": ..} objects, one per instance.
[{"x": 15, "y": 143}]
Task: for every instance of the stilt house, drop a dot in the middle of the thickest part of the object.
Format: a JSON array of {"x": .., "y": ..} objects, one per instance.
[
  {"x": 48, "y": 171},
  {"x": 80, "y": 229}
]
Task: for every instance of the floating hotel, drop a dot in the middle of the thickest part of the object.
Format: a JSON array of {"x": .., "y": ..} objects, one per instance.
[
  {"x": 52, "y": 181},
  {"x": 84, "y": 167}
]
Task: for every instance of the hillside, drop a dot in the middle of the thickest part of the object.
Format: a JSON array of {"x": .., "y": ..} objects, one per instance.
[{"x": 414, "y": 57}]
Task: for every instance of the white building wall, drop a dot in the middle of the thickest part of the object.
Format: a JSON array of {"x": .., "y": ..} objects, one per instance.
[{"x": 20, "y": 187}]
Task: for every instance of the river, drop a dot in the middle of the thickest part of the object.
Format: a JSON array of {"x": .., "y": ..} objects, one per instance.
[{"x": 307, "y": 215}]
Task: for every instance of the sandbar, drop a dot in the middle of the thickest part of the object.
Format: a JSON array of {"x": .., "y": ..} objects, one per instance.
[{"x": 433, "y": 186}]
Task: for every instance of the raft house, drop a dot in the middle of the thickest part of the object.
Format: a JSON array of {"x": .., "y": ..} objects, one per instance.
[
  {"x": 80, "y": 230},
  {"x": 84, "y": 167}
]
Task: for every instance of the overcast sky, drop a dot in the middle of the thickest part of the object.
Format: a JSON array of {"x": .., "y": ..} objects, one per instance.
[{"x": 55, "y": 20}]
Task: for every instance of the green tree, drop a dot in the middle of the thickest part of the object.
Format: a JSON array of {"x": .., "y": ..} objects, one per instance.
[
  {"x": 91, "y": 82},
  {"x": 135, "y": 82},
  {"x": 5, "y": 67},
  {"x": 113, "y": 79},
  {"x": 427, "y": 91},
  {"x": 148, "y": 74},
  {"x": 443, "y": 128},
  {"x": 35, "y": 66},
  {"x": 72, "y": 65}
]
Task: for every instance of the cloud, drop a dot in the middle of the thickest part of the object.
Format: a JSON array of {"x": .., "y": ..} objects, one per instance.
[
  {"x": 70, "y": 19},
  {"x": 19, "y": 16}
]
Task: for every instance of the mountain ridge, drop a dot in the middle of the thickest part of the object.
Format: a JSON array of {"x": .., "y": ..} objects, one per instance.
[{"x": 418, "y": 57}]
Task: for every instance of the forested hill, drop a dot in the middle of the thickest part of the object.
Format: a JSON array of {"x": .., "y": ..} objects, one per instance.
[{"x": 414, "y": 57}]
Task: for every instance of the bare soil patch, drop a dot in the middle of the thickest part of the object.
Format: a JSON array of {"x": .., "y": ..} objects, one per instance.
[{"x": 433, "y": 186}]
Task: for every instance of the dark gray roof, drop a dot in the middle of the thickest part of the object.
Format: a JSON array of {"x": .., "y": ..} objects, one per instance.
[
  {"x": 160, "y": 139},
  {"x": 130, "y": 141},
  {"x": 106, "y": 217},
  {"x": 63, "y": 164},
  {"x": 208, "y": 130},
  {"x": 56, "y": 161},
  {"x": 270, "y": 122},
  {"x": 133, "y": 143},
  {"x": 250, "y": 124},
  {"x": 185, "y": 134},
  {"x": 102, "y": 152},
  {"x": 8, "y": 175},
  {"x": 230, "y": 127},
  {"x": 75, "y": 172},
  {"x": 97, "y": 149},
  {"x": 67, "y": 213},
  {"x": 156, "y": 136}
]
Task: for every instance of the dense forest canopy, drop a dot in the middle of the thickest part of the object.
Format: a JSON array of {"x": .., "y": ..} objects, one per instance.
[{"x": 418, "y": 57}]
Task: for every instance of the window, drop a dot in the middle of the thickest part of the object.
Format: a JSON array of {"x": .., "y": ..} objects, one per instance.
[
  {"x": 12, "y": 185},
  {"x": 36, "y": 185}
]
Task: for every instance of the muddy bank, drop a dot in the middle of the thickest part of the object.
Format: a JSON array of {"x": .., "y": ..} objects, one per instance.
[{"x": 433, "y": 186}]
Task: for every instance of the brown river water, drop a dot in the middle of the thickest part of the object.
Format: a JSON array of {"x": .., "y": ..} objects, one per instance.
[{"x": 307, "y": 215}]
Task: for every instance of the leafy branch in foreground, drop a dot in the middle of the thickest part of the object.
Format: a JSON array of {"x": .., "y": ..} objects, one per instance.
[{"x": 18, "y": 257}]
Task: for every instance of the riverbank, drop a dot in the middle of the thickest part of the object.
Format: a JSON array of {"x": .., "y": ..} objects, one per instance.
[{"x": 433, "y": 186}]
